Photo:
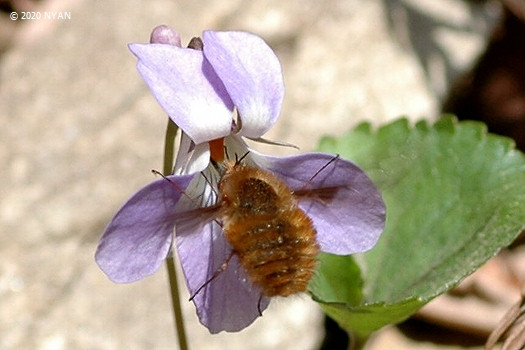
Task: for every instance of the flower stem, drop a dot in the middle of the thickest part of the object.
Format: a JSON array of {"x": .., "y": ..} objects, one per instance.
[
  {"x": 169, "y": 146},
  {"x": 175, "y": 301},
  {"x": 357, "y": 342}
]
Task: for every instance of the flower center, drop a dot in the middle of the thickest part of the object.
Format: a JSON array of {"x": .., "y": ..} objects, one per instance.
[{"x": 217, "y": 150}]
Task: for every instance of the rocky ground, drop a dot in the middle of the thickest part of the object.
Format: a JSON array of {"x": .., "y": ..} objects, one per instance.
[{"x": 80, "y": 132}]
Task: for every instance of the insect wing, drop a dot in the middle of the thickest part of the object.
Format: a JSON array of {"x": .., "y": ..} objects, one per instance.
[{"x": 195, "y": 219}]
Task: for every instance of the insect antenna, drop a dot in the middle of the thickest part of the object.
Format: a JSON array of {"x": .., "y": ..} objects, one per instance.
[
  {"x": 226, "y": 153},
  {"x": 238, "y": 161}
]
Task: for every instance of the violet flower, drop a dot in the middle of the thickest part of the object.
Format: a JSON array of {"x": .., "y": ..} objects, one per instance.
[{"x": 200, "y": 90}]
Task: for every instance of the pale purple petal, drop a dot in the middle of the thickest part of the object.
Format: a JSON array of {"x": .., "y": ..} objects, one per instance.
[
  {"x": 188, "y": 89},
  {"x": 252, "y": 76},
  {"x": 139, "y": 237},
  {"x": 230, "y": 301},
  {"x": 346, "y": 207},
  {"x": 191, "y": 158}
]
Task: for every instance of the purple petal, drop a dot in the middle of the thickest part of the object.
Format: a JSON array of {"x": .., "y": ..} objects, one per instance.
[
  {"x": 346, "y": 207},
  {"x": 188, "y": 89},
  {"x": 139, "y": 237},
  {"x": 191, "y": 158},
  {"x": 229, "y": 301},
  {"x": 252, "y": 75}
]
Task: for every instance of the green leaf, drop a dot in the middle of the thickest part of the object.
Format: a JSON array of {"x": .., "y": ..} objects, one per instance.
[
  {"x": 455, "y": 196},
  {"x": 332, "y": 285}
]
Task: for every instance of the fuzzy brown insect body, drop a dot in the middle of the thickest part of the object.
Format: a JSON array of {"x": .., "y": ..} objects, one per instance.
[{"x": 274, "y": 239}]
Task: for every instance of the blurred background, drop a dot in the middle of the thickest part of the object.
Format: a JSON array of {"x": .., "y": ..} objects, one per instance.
[{"x": 80, "y": 133}]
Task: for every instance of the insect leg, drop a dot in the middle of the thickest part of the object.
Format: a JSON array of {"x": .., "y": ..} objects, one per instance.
[
  {"x": 259, "y": 304},
  {"x": 216, "y": 274}
]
